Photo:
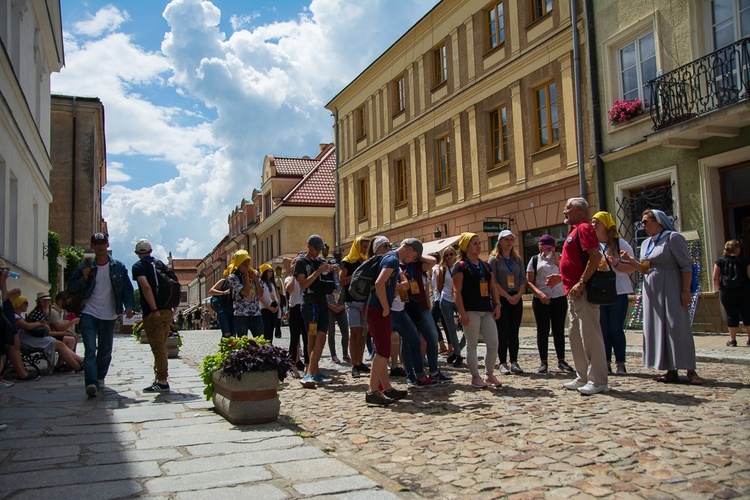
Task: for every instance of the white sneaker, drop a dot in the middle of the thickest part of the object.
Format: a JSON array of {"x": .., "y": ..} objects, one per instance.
[
  {"x": 574, "y": 384},
  {"x": 591, "y": 388}
]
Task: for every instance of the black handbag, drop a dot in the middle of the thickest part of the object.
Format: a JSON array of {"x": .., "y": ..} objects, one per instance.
[{"x": 602, "y": 287}]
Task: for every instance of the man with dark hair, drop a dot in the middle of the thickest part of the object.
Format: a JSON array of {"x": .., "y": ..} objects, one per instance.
[
  {"x": 106, "y": 289},
  {"x": 156, "y": 321}
]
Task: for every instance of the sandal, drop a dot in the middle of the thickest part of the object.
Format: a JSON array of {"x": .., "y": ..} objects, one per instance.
[
  {"x": 670, "y": 377},
  {"x": 694, "y": 379}
]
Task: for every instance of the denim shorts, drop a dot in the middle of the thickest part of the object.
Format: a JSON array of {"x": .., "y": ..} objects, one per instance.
[{"x": 355, "y": 314}]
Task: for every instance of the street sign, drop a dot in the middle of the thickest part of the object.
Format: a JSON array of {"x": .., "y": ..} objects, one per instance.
[{"x": 492, "y": 226}]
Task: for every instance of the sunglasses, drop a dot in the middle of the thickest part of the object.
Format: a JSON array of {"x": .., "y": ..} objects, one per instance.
[{"x": 449, "y": 255}]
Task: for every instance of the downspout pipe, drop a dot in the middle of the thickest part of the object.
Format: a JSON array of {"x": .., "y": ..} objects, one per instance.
[
  {"x": 337, "y": 223},
  {"x": 596, "y": 115},
  {"x": 73, "y": 179},
  {"x": 578, "y": 103}
]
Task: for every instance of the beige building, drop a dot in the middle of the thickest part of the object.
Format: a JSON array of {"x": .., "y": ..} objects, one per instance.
[
  {"x": 32, "y": 49},
  {"x": 688, "y": 152},
  {"x": 468, "y": 118},
  {"x": 79, "y": 156}
]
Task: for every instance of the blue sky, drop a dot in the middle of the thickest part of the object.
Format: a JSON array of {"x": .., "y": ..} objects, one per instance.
[{"x": 196, "y": 93}]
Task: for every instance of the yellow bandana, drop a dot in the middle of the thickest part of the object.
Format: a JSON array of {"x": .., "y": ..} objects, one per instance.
[
  {"x": 608, "y": 221},
  {"x": 463, "y": 241}
]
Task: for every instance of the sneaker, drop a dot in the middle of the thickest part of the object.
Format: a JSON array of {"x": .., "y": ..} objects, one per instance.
[
  {"x": 377, "y": 398},
  {"x": 440, "y": 377},
  {"x": 514, "y": 368},
  {"x": 5, "y": 383},
  {"x": 301, "y": 366},
  {"x": 397, "y": 371},
  {"x": 355, "y": 371},
  {"x": 335, "y": 359},
  {"x": 459, "y": 362},
  {"x": 3, "y": 427},
  {"x": 322, "y": 379},
  {"x": 101, "y": 383},
  {"x": 347, "y": 358},
  {"x": 543, "y": 368},
  {"x": 363, "y": 368},
  {"x": 416, "y": 383},
  {"x": 478, "y": 383},
  {"x": 732, "y": 343},
  {"x": 504, "y": 369},
  {"x": 493, "y": 381},
  {"x": 574, "y": 384},
  {"x": 591, "y": 388},
  {"x": 451, "y": 359},
  {"x": 156, "y": 387},
  {"x": 29, "y": 378},
  {"x": 565, "y": 367},
  {"x": 91, "y": 390},
  {"x": 293, "y": 371},
  {"x": 621, "y": 369},
  {"x": 308, "y": 382},
  {"x": 395, "y": 394},
  {"x": 609, "y": 369}
]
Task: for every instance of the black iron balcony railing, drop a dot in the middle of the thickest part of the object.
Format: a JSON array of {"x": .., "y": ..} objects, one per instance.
[{"x": 714, "y": 81}]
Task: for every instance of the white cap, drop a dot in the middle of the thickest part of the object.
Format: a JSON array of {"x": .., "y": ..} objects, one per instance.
[{"x": 142, "y": 246}]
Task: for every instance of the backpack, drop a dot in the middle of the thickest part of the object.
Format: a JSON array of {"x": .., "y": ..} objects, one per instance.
[
  {"x": 730, "y": 275},
  {"x": 168, "y": 289},
  {"x": 222, "y": 302},
  {"x": 363, "y": 279}
]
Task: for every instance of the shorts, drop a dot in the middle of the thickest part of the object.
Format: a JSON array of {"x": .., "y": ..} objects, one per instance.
[
  {"x": 380, "y": 331},
  {"x": 355, "y": 314},
  {"x": 316, "y": 312}
]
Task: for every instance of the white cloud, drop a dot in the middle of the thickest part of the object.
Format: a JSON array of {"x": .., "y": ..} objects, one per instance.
[
  {"x": 115, "y": 172},
  {"x": 267, "y": 86},
  {"x": 107, "y": 19},
  {"x": 239, "y": 22}
]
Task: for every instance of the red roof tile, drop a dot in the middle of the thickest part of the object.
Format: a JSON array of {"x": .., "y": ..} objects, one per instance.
[
  {"x": 318, "y": 187},
  {"x": 293, "y": 167}
]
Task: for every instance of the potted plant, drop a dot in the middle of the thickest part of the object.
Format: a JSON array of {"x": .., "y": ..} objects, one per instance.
[
  {"x": 139, "y": 333},
  {"x": 243, "y": 379},
  {"x": 625, "y": 110}
]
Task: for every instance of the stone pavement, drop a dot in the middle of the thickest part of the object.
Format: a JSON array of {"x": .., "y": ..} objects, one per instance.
[
  {"x": 530, "y": 439},
  {"x": 126, "y": 443}
]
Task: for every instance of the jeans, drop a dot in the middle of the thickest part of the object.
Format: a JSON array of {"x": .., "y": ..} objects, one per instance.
[
  {"x": 269, "y": 323},
  {"x": 437, "y": 315},
  {"x": 343, "y": 322},
  {"x": 157, "y": 331},
  {"x": 426, "y": 326},
  {"x": 612, "y": 320},
  {"x": 411, "y": 344},
  {"x": 508, "y": 326},
  {"x": 98, "y": 336},
  {"x": 226, "y": 322},
  {"x": 545, "y": 314},
  {"x": 252, "y": 323},
  {"x": 448, "y": 308}
]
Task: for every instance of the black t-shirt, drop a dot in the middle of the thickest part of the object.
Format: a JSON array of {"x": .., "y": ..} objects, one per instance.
[
  {"x": 350, "y": 268},
  {"x": 470, "y": 291},
  {"x": 144, "y": 267},
  {"x": 307, "y": 266},
  {"x": 741, "y": 264}
]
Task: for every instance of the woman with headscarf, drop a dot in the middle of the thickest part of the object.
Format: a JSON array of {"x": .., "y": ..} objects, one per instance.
[
  {"x": 667, "y": 272},
  {"x": 612, "y": 317},
  {"x": 357, "y": 325},
  {"x": 478, "y": 303},
  {"x": 269, "y": 301},
  {"x": 243, "y": 280}
]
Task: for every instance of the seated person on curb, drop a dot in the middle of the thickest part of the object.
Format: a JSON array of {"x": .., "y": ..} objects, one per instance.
[
  {"x": 8, "y": 330},
  {"x": 44, "y": 343},
  {"x": 58, "y": 322},
  {"x": 40, "y": 314}
]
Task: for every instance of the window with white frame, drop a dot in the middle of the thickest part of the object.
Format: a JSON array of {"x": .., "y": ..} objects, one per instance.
[
  {"x": 637, "y": 66},
  {"x": 730, "y": 21}
]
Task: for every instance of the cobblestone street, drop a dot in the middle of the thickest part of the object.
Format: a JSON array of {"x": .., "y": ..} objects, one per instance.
[{"x": 532, "y": 438}]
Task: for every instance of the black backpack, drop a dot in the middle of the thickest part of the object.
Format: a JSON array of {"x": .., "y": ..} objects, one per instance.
[
  {"x": 363, "y": 279},
  {"x": 731, "y": 277},
  {"x": 168, "y": 289}
]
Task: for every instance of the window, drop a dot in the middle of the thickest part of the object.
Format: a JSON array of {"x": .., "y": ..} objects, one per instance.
[
  {"x": 540, "y": 8},
  {"x": 361, "y": 124},
  {"x": 495, "y": 26},
  {"x": 363, "y": 205},
  {"x": 730, "y": 21},
  {"x": 637, "y": 67},
  {"x": 499, "y": 136},
  {"x": 443, "y": 166},
  {"x": 401, "y": 196},
  {"x": 440, "y": 65},
  {"x": 547, "y": 128},
  {"x": 399, "y": 97}
]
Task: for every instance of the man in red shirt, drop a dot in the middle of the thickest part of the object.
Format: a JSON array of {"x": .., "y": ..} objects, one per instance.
[{"x": 580, "y": 259}]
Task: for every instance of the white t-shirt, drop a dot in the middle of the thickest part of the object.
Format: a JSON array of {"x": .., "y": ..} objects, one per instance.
[
  {"x": 447, "y": 292},
  {"x": 269, "y": 294},
  {"x": 295, "y": 298},
  {"x": 545, "y": 267},
  {"x": 101, "y": 304},
  {"x": 624, "y": 285}
]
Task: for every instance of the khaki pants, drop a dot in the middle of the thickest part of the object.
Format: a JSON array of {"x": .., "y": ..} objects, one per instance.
[
  {"x": 157, "y": 331},
  {"x": 586, "y": 340}
]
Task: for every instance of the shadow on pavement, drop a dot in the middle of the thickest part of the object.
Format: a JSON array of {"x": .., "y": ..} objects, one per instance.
[{"x": 658, "y": 397}]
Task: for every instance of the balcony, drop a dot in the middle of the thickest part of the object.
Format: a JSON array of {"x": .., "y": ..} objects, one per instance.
[{"x": 715, "y": 81}]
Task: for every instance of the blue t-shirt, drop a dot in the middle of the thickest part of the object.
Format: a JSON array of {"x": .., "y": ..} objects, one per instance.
[{"x": 389, "y": 261}]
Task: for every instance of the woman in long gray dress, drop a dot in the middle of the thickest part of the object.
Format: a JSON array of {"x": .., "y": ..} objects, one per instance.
[{"x": 667, "y": 270}]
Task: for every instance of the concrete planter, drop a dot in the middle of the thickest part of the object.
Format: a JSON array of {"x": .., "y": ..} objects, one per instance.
[
  {"x": 252, "y": 400},
  {"x": 144, "y": 339},
  {"x": 173, "y": 348}
]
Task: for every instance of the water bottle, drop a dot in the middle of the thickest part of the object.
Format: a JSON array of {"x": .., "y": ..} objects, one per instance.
[{"x": 13, "y": 275}]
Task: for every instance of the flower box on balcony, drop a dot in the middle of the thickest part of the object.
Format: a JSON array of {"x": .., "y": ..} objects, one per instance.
[{"x": 624, "y": 111}]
